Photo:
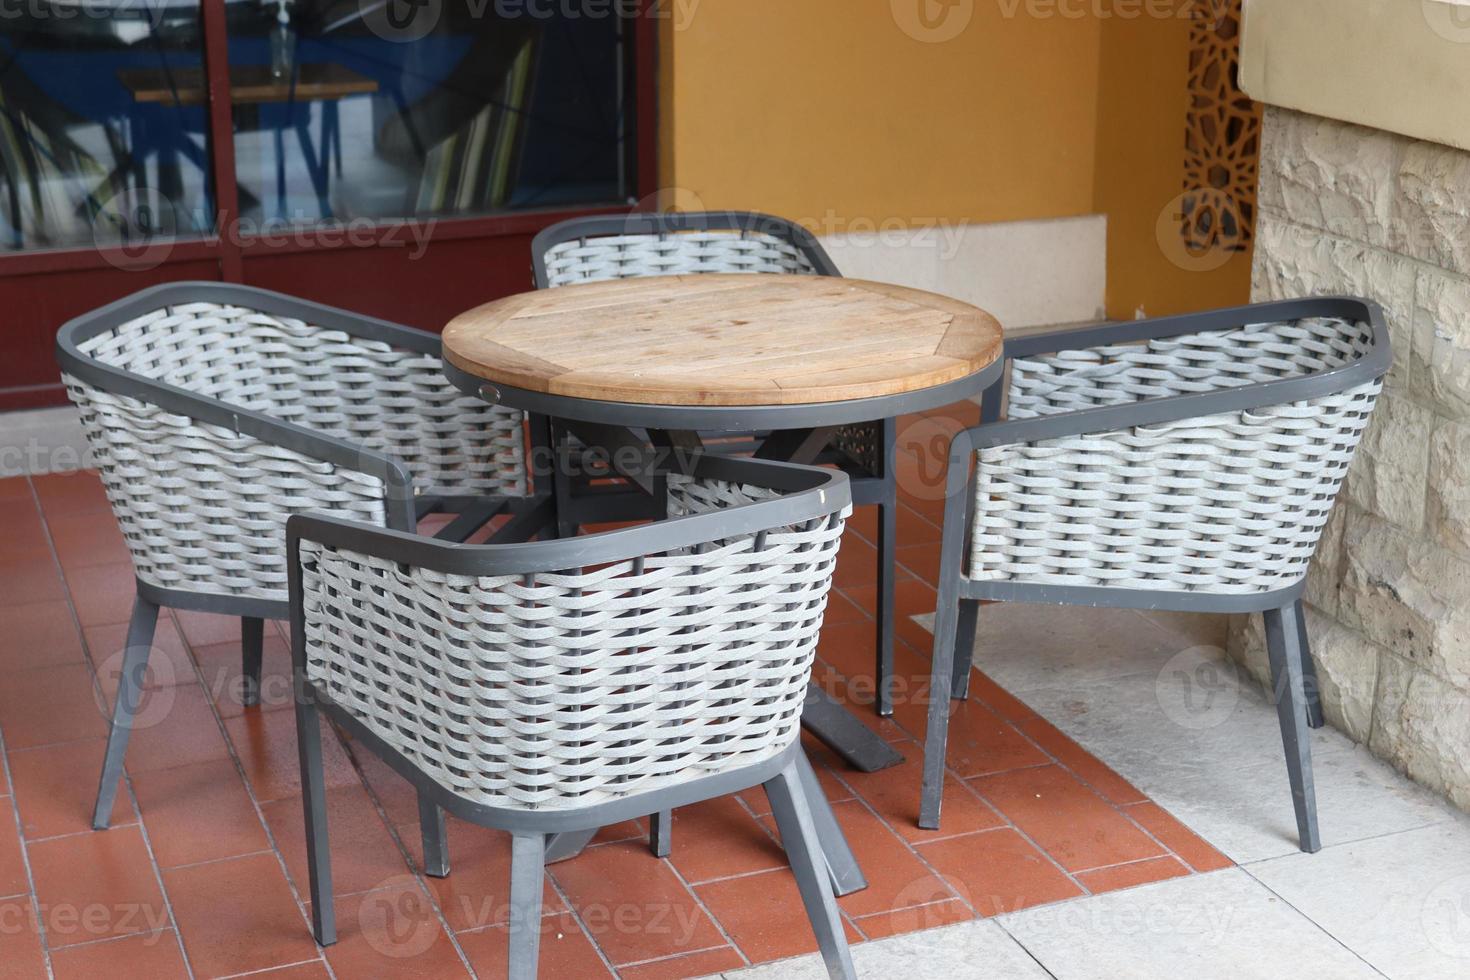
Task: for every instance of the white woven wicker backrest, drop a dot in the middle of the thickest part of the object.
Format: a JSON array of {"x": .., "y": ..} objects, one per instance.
[
  {"x": 1231, "y": 503},
  {"x": 555, "y": 691},
  {"x": 672, "y": 253},
  {"x": 202, "y": 508}
]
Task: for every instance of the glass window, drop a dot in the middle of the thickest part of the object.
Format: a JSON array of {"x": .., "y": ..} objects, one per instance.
[
  {"x": 383, "y": 109},
  {"x": 102, "y": 123}
]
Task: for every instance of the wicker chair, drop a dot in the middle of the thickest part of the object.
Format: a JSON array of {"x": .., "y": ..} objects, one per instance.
[
  {"x": 559, "y": 686},
  {"x": 631, "y": 246},
  {"x": 217, "y": 411},
  {"x": 1183, "y": 463}
]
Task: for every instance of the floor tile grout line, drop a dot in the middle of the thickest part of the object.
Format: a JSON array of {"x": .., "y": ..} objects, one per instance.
[
  {"x": 127, "y": 781},
  {"x": 699, "y": 900},
  {"x": 1342, "y": 843},
  {"x": 25, "y": 859},
  {"x": 1000, "y": 921},
  {"x": 1323, "y": 929},
  {"x": 404, "y": 854},
  {"x": 269, "y": 969},
  {"x": 234, "y": 757},
  {"x": 576, "y": 915},
  {"x": 121, "y": 937},
  {"x": 678, "y": 956}
]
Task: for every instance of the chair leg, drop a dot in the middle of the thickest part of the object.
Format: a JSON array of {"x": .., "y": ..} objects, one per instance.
[
  {"x": 1283, "y": 646},
  {"x": 436, "y": 847},
  {"x": 804, "y": 851},
  {"x": 314, "y": 809},
  {"x": 964, "y": 647},
  {"x": 842, "y": 865},
  {"x": 527, "y": 869},
  {"x": 942, "y": 671},
  {"x": 661, "y": 833},
  {"x": 887, "y": 581},
  {"x": 1315, "y": 718},
  {"x": 129, "y": 694},
  {"x": 252, "y": 646}
]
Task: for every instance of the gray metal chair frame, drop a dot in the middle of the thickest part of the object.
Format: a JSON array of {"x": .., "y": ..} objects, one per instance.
[
  {"x": 1351, "y": 374},
  {"x": 513, "y": 765},
  {"x": 224, "y": 441},
  {"x": 685, "y": 243}
]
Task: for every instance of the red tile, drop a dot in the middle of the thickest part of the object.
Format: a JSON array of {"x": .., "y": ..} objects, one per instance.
[
  {"x": 266, "y": 744},
  {"x": 364, "y": 854},
  {"x": 41, "y": 634},
  {"x": 824, "y": 762},
  {"x": 87, "y": 539},
  {"x": 1106, "y": 783},
  {"x": 92, "y": 886},
  {"x": 102, "y": 594},
  {"x": 152, "y": 956},
  {"x": 175, "y": 726},
  {"x": 207, "y": 629},
  {"x": 841, "y": 609},
  {"x": 896, "y": 877},
  {"x": 477, "y": 890},
  {"x": 565, "y": 951},
  {"x": 857, "y": 563},
  {"x": 396, "y": 795},
  {"x": 238, "y": 915},
  {"x": 12, "y": 862},
  {"x": 704, "y": 963},
  {"x": 899, "y": 921},
  {"x": 921, "y": 559},
  {"x": 998, "y": 871},
  {"x": 393, "y": 933},
  {"x": 719, "y": 838},
  {"x": 78, "y": 492},
  {"x": 198, "y": 812},
  {"x": 28, "y": 573},
  {"x": 980, "y": 741},
  {"x": 21, "y": 956},
  {"x": 998, "y": 699},
  {"x": 1178, "y": 838},
  {"x": 56, "y": 788},
  {"x": 894, "y": 793},
  {"x": 45, "y": 705},
  {"x": 1071, "y": 822},
  {"x": 633, "y": 904},
  {"x": 1131, "y": 875},
  {"x": 764, "y": 915},
  {"x": 224, "y": 677},
  {"x": 168, "y": 662}
]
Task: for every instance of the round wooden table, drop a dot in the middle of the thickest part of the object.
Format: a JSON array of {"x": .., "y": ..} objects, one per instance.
[
  {"x": 719, "y": 351},
  {"x": 625, "y": 362}
]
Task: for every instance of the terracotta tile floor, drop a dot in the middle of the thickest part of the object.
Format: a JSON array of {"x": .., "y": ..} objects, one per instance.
[{"x": 202, "y": 874}]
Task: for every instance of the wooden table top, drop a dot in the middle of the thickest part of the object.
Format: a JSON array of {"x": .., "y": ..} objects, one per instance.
[
  {"x": 249, "y": 84},
  {"x": 718, "y": 339}
]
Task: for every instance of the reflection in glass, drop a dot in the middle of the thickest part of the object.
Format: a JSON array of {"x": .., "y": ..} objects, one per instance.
[
  {"x": 350, "y": 109},
  {"x": 100, "y": 142}
]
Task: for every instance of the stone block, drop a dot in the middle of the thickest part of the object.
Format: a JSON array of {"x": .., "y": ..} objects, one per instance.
[
  {"x": 1449, "y": 485},
  {"x": 1391, "y": 466},
  {"x": 1421, "y": 724},
  {"x": 1432, "y": 206},
  {"x": 1441, "y": 354}
]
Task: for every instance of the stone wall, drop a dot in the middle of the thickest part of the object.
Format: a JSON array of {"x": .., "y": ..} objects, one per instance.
[{"x": 1345, "y": 209}]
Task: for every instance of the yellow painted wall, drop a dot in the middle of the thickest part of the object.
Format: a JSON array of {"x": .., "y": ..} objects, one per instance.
[
  {"x": 832, "y": 113},
  {"x": 814, "y": 107},
  {"x": 1142, "y": 98}
]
